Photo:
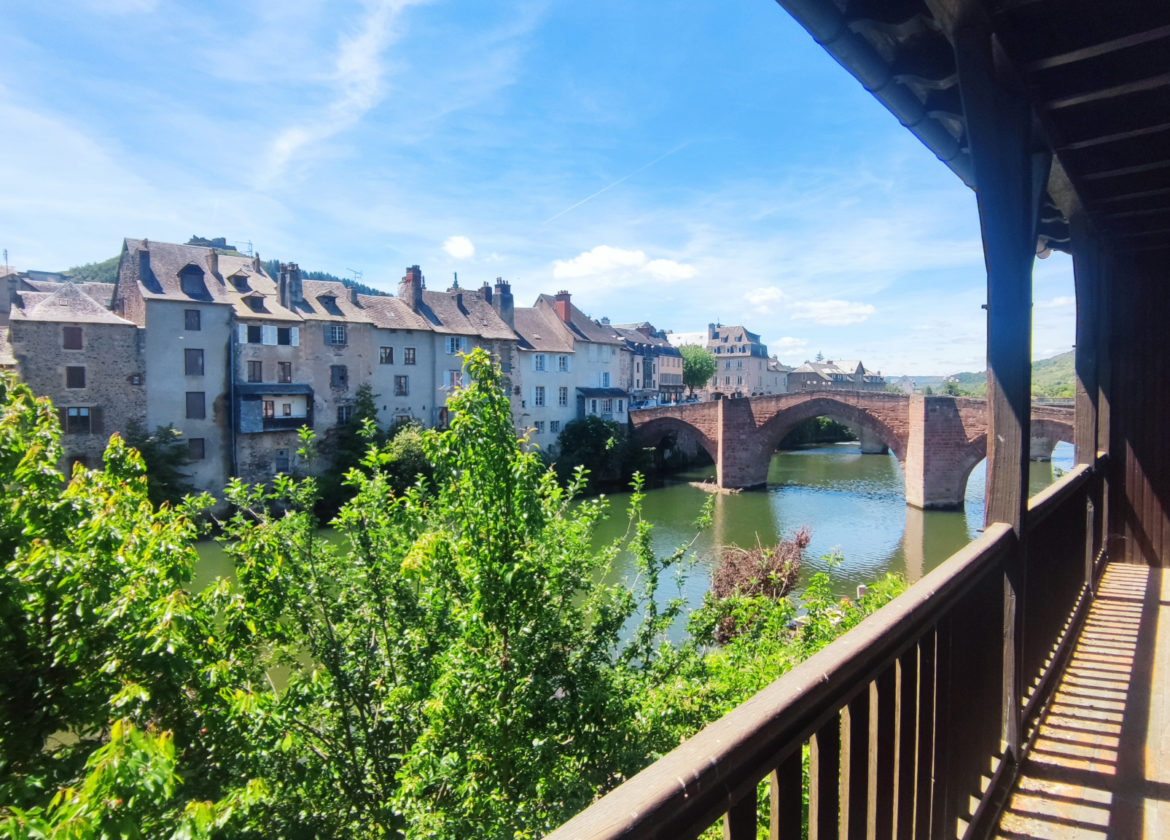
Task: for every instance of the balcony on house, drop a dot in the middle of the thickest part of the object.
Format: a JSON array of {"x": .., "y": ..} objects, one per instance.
[
  {"x": 273, "y": 407},
  {"x": 1021, "y": 689}
]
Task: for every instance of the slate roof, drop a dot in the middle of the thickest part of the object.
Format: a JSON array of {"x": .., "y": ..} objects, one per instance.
[
  {"x": 464, "y": 312},
  {"x": 392, "y": 313},
  {"x": 540, "y": 329},
  {"x": 581, "y": 325},
  {"x": 6, "y": 358},
  {"x": 66, "y": 304},
  {"x": 327, "y": 300},
  {"x": 166, "y": 261},
  {"x": 640, "y": 342}
]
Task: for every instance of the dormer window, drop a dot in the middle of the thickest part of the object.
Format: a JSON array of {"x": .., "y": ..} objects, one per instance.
[
  {"x": 191, "y": 282},
  {"x": 240, "y": 282},
  {"x": 255, "y": 303},
  {"x": 329, "y": 302}
]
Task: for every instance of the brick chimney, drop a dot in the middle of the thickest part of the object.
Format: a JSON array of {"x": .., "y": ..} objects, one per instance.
[
  {"x": 289, "y": 285},
  {"x": 213, "y": 264},
  {"x": 485, "y": 291},
  {"x": 411, "y": 287},
  {"x": 563, "y": 306},
  {"x": 503, "y": 304}
]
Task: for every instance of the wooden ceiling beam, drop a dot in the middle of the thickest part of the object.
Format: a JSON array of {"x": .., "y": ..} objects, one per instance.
[
  {"x": 1137, "y": 86},
  {"x": 1104, "y": 48}
]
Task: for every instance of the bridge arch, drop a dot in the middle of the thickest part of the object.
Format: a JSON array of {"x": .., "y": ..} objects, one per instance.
[
  {"x": 654, "y": 431},
  {"x": 1045, "y": 434},
  {"x": 778, "y": 427}
]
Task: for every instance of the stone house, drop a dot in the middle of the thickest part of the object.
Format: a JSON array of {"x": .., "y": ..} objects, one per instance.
[
  {"x": 827, "y": 375},
  {"x": 70, "y": 347},
  {"x": 653, "y": 372},
  {"x": 743, "y": 367}
]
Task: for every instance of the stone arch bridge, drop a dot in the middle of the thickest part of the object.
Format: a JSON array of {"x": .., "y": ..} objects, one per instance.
[{"x": 938, "y": 440}]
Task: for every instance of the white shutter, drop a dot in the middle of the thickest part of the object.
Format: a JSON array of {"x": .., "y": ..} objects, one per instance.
[
  {"x": 267, "y": 335},
  {"x": 296, "y": 336},
  {"x": 243, "y": 331}
]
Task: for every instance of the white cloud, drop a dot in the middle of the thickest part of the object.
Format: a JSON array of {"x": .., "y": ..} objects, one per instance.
[
  {"x": 787, "y": 346},
  {"x": 459, "y": 247},
  {"x": 1056, "y": 303},
  {"x": 762, "y": 299},
  {"x": 357, "y": 80},
  {"x": 831, "y": 313},
  {"x": 620, "y": 267}
]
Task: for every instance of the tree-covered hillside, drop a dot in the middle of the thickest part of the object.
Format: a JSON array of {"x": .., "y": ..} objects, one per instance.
[{"x": 1053, "y": 378}]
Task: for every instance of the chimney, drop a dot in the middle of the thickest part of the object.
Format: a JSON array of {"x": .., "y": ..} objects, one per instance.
[
  {"x": 213, "y": 264},
  {"x": 295, "y": 290},
  {"x": 503, "y": 304},
  {"x": 353, "y": 293},
  {"x": 563, "y": 306},
  {"x": 455, "y": 285},
  {"x": 282, "y": 286},
  {"x": 411, "y": 287},
  {"x": 485, "y": 291},
  {"x": 256, "y": 265},
  {"x": 144, "y": 273}
]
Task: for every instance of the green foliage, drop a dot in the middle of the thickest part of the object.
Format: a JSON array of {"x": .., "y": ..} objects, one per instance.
[
  {"x": 817, "y": 430},
  {"x": 456, "y": 669},
  {"x": 698, "y": 366},
  {"x": 164, "y": 454},
  {"x": 272, "y": 268},
  {"x": 105, "y": 271},
  {"x": 951, "y": 388},
  {"x": 602, "y": 447},
  {"x": 1053, "y": 378}
]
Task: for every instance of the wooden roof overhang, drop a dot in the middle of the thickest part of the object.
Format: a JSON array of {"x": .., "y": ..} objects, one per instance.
[{"x": 1095, "y": 75}]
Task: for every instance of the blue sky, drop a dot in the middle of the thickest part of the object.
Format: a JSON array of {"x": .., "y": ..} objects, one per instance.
[{"x": 681, "y": 162}]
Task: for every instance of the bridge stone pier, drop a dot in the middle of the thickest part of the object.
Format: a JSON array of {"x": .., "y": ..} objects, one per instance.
[{"x": 938, "y": 440}]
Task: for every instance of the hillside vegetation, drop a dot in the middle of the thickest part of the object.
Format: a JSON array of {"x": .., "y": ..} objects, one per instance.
[{"x": 1053, "y": 378}]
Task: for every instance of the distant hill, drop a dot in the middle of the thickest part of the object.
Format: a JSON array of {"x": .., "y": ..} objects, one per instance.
[
  {"x": 106, "y": 271},
  {"x": 1052, "y": 378}
]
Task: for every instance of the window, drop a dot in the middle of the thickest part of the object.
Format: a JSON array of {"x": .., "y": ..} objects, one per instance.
[
  {"x": 196, "y": 405},
  {"x": 284, "y": 336},
  {"x": 606, "y": 406},
  {"x": 727, "y": 380},
  {"x": 454, "y": 378},
  {"x": 562, "y": 396},
  {"x": 386, "y": 355},
  {"x": 344, "y": 412},
  {"x": 563, "y": 363},
  {"x": 739, "y": 380},
  {"x": 538, "y": 361},
  {"x": 593, "y": 406},
  {"x": 255, "y": 371},
  {"x": 408, "y": 355},
  {"x": 621, "y": 406},
  {"x": 605, "y": 379},
  {"x": 192, "y": 322},
  {"x": 335, "y": 334},
  {"x": 401, "y": 386},
  {"x": 538, "y": 396},
  {"x": 196, "y": 448},
  {"x": 338, "y": 376},
  {"x": 191, "y": 282},
  {"x": 71, "y": 338},
  {"x": 77, "y": 421},
  {"x": 286, "y": 409},
  {"x": 74, "y": 377},
  {"x": 255, "y": 334},
  {"x": 280, "y": 462},
  {"x": 539, "y": 424},
  {"x": 193, "y": 362},
  {"x": 255, "y": 303},
  {"x": 455, "y": 344},
  {"x": 554, "y": 426},
  {"x": 269, "y": 409},
  {"x": 284, "y": 372}
]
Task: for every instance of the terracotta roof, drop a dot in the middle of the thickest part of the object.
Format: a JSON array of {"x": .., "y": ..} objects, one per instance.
[
  {"x": 541, "y": 330},
  {"x": 66, "y": 304}
]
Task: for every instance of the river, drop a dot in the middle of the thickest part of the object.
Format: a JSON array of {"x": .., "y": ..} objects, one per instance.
[{"x": 852, "y": 503}]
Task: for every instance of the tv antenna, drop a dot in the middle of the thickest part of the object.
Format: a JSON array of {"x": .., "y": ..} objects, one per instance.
[
  {"x": 357, "y": 275},
  {"x": 244, "y": 250}
]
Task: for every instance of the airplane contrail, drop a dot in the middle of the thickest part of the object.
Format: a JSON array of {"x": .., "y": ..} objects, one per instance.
[{"x": 625, "y": 177}]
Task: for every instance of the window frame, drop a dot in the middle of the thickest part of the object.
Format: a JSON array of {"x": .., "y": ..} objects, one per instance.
[
  {"x": 408, "y": 356},
  {"x": 539, "y": 361},
  {"x": 284, "y": 374},
  {"x": 77, "y": 413},
  {"x": 336, "y": 335},
  {"x": 192, "y": 320},
  {"x": 193, "y": 361},
  {"x": 68, "y": 334},
  {"x": 401, "y": 385},
  {"x": 255, "y": 371},
  {"x": 196, "y": 411},
  {"x": 268, "y": 409},
  {"x": 75, "y": 377},
  {"x": 563, "y": 396},
  {"x": 255, "y": 333},
  {"x": 538, "y": 396},
  {"x": 386, "y": 354},
  {"x": 339, "y": 377}
]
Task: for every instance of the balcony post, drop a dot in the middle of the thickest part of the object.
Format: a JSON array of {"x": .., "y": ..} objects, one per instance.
[{"x": 1010, "y": 177}]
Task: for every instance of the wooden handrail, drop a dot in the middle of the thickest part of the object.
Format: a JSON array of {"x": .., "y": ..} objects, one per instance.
[
  {"x": 1052, "y": 497},
  {"x": 688, "y": 789}
]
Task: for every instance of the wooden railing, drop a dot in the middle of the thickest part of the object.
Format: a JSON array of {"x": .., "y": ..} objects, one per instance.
[{"x": 896, "y": 730}]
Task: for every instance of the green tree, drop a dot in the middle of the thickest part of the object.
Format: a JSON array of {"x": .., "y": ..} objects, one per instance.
[
  {"x": 950, "y": 388},
  {"x": 164, "y": 454},
  {"x": 602, "y": 447},
  {"x": 698, "y": 366}
]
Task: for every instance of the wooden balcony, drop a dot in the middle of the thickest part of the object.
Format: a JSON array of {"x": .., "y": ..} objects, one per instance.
[{"x": 901, "y": 728}]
